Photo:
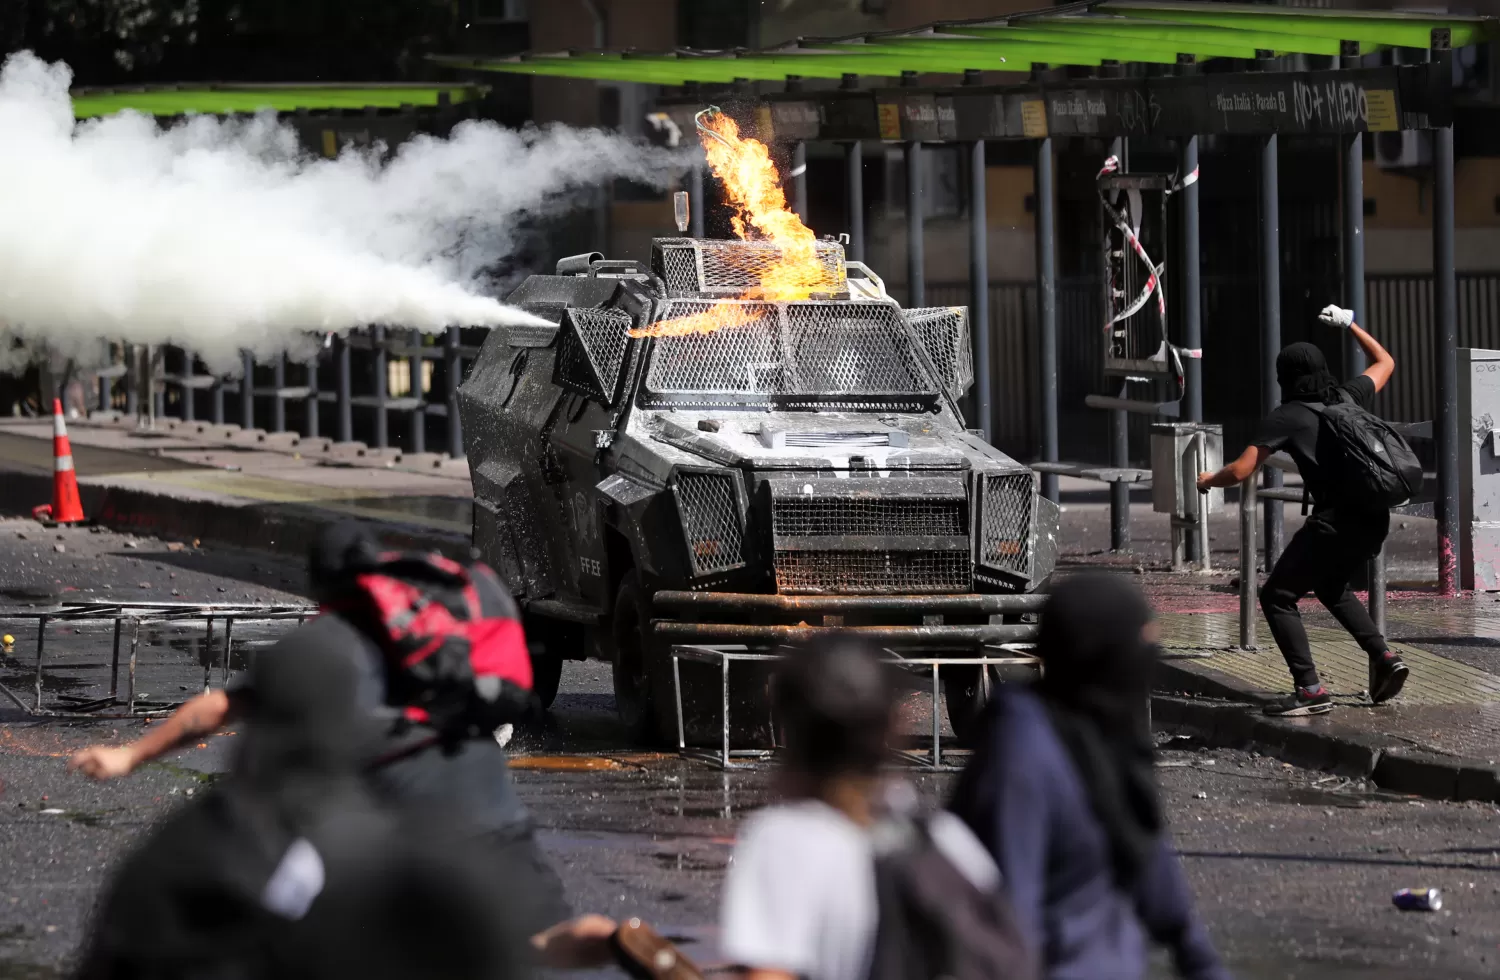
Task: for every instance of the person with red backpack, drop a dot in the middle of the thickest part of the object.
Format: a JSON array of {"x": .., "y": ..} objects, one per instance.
[{"x": 441, "y": 661}]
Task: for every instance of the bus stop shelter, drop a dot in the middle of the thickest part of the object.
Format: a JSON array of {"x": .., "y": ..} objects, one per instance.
[{"x": 1115, "y": 70}]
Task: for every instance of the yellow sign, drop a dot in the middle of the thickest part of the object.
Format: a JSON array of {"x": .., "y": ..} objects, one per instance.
[
  {"x": 1034, "y": 119},
  {"x": 330, "y": 144},
  {"x": 890, "y": 121},
  {"x": 1380, "y": 115}
]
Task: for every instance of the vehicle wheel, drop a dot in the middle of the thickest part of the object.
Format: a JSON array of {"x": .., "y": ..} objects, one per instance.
[
  {"x": 630, "y": 659},
  {"x": 546, "y": 675},
  {"x": 967, "y": 693}
]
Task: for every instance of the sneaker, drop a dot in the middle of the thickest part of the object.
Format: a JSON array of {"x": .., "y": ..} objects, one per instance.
[
  {"x": 1387, "y": 677},
  {"x": 1304, "y": 702}
]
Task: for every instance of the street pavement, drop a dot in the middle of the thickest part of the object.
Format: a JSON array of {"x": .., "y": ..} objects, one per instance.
[{"x": 1293, "y": 869}]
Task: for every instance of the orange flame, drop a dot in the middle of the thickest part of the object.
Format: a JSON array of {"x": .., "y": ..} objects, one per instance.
[{"x": 753, "y": 188}]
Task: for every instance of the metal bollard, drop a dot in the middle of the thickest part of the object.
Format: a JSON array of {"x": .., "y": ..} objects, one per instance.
[
  {"x": 278, "y": 404},
  {"x": 1205, "y": 559},
  {"x": 417, "y": 421},
  {"x": 378, "y": 352},
  {"x": 1377, "y": 590},
  {"x": 453, "y": 373},
  {"x": 343, "y": 397},
  {"x": 247, "y": 391},
  {"x": 1248, "y": 562},
  {"x": 312, "y": 397}
]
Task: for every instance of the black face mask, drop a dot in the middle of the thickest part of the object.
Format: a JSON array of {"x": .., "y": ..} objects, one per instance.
[{"x": 1303, "y": 374}]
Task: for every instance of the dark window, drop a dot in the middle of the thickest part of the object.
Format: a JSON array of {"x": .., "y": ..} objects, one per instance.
[
  {"x": 714, "y": 24},
  {"x": 609, "y": 107}
]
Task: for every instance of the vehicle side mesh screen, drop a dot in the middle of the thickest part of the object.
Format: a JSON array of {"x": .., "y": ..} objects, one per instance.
[
  {"x": 1006, "y": 524},
  {"x": 944, "y": 333},
  {"x": 711, "y": 521},
  {"x": 591, "y": 352},
  {"x": 804, "y": 516}
]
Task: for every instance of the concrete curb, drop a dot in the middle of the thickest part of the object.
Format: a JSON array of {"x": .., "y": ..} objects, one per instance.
[
  {"x": 1315, "y": 743},
  {"x": 279, "y": 528}
]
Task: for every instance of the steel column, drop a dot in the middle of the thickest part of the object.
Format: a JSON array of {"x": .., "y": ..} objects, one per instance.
[
  {"x": 343, "y": 386},
  {"x": 1119, "y": 442},
  {"x": 312, "y": 400},
  {"x": 979, "y": 287},
  {"x": 1445, "y": 356},
  {"x": 417, "y": 421},
  {"x": 1353, "y": 160},
  {"x": 132, "y": 382},
  {"x": 217, "y": 402},
  {"x": 453, "y": 364},
  {"x": 799, "y": 180},
  {"x": 189, "y": 410},
  {"x": 278, "y": 404},
  {"x": 378, "y": 358},
  {"x": 1046, "y": 308},
  {"x": 916, "y": 258},
  {"x": 854, "y": 201},
  {"x": 695, "y": 199},
  {"x": 247, "y": 391},
  {"x": 1192, "y": 290},
  {"x": 1270, "y": 323}
]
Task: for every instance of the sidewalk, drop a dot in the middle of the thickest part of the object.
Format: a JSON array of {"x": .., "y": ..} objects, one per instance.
[
  {"x": 1441, "y": 738},
  {"x": 245, "y": 488}
]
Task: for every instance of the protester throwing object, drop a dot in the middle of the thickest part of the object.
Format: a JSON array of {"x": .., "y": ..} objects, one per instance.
[
  {"x": 1062, "y": 791},
  {"x": 1355, "y": 467}
]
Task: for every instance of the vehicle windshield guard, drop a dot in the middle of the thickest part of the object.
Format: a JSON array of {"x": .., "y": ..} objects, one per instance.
[{"x": 787, "y": 354}]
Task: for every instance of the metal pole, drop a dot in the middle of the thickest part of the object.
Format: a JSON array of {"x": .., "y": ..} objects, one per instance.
[
  {"x": 378, "y": 352},
  {"x": 799, "y": 180},
  {"x": 343, "y": 384},
  {"x": 278, "y": 404},
  {"x": 1248, "y": 577},
  {"x": 1445, "y": 354},
  {"x": 1192, "y": 291},
  {"x": 453, "y": 363},
  {"x": 313, "y": 403},
  {"x": 979, "y": 286},
  {"x": 1270, "y": 320},
  {"x": 132, "y": 383},
  {"x": 417, "y": 421},
  {"x": 1200, "y": 531},
  {"x": 217, "y": 402},
  {"x": 695, "y": 199},
  {"x": 247, "y": 391},
  {"x": 1377, "y": 590},
  {"x": 1119, "y": 443},
  {"x": 114, "y": 664},
  {"x": 916, "y": 257},
  {"x": 135, "y": 642},
  {"x": 41, "y": 640},
  {"x": 1046, "y": 309},
  {"x": 1354, "y": 244},
  {"x": 189, "y": 410},
  {"x": 854, "y": 188}
]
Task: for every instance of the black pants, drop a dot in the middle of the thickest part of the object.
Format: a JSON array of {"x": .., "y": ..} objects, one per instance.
[
  {"x": 528, "y": 874},
  {"x": 1322, "y": 558}
]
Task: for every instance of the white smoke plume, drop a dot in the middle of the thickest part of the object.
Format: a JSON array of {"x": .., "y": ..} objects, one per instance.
[{"x": 220, "y": 236}]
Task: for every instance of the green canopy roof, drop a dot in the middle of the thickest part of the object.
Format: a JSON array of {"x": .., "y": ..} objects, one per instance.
[
  {"x": 222, "y": 99},
  {"x": 1086, "y": 34}
]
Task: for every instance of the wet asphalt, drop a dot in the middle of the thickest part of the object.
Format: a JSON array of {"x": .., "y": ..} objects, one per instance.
[{"x": 1293, "y": 870}]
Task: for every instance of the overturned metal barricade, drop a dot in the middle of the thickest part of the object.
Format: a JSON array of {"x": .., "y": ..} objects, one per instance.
[{"x": 137, "y": 617}]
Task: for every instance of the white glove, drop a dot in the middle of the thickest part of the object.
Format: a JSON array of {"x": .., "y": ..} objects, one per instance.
[{"x": 1336, "y": 317}]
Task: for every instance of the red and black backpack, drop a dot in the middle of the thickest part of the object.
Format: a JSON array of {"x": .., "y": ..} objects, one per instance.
[{"x": 455, "y": 653}]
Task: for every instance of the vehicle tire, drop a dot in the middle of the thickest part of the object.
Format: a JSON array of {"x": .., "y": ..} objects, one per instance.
[
  {"x": 630, "y": 659},
  {"x": 546, "y": 675},
  {"x": 967, "y": 693}
]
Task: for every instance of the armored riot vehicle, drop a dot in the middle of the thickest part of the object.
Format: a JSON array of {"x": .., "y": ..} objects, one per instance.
[{"x": 670, "y": 462}]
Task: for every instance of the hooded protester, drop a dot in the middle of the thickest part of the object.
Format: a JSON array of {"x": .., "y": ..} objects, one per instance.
[
  {"x": 1062, "y": 792},
  {"x": 1338, "y": 538},
  {"x": 464, "y": 781},
  {"x": 221, "y": 889}
]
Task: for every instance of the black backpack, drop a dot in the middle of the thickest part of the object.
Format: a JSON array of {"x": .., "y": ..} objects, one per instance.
[
  {"x": 934, "y": 919},
  {"x": 1366, "y": 463}
]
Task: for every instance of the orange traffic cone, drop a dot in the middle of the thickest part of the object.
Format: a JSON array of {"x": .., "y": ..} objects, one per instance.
[{"x": 65, "y": 508}]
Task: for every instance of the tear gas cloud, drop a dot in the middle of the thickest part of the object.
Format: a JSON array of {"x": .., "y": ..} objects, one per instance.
[{"x": 220, "y": 235}]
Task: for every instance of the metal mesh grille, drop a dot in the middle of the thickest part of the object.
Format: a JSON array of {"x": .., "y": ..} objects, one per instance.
[
  {"x": 711, "y": 521},
  {"x": 873, "y": 572},
  {"x": 944, "y": 332},
  {"x": 830, "y": 348},
  {"x": 573, "y": 370},
  {"x": 849, "y": 347},
  {"x": 678, "y": 268},
  {"x": 745, "y": 358},
  {"x": 605, "y": 334},
  {"x": 1005, "y": 526},
  {"x": 803, "y": 516}
]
